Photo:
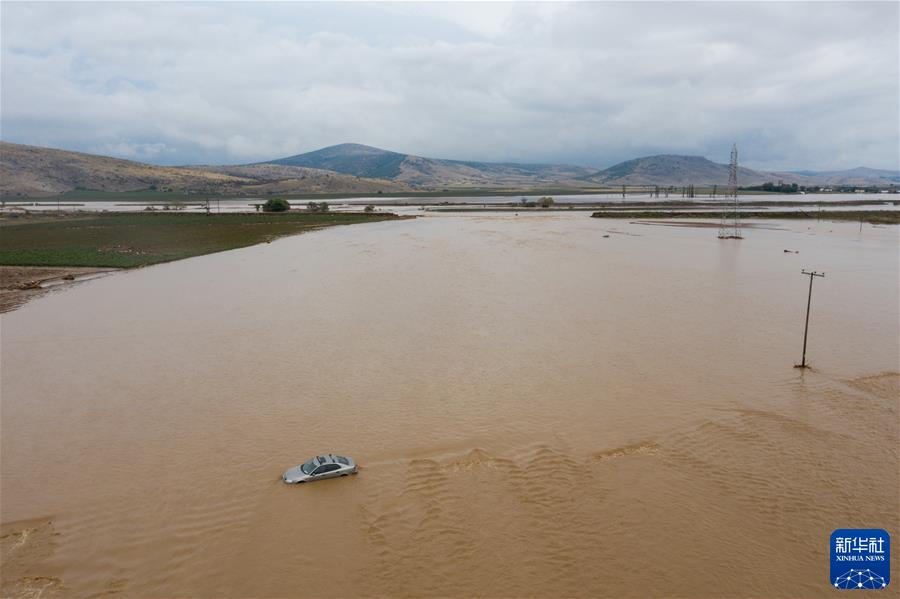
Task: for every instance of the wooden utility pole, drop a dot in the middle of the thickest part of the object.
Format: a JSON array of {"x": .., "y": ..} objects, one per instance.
[{"x": 811, "y": 274}]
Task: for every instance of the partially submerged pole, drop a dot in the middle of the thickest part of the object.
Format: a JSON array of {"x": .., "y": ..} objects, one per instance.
[{"x": 812, "y": 274}]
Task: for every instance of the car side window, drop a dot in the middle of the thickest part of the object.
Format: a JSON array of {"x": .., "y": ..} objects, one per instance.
[{"x": 325, "y": 468}]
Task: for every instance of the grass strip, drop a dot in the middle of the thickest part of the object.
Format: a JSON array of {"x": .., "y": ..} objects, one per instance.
[{"x": 130, "y": 240}]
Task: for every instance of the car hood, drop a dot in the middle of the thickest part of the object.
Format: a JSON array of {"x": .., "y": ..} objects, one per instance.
[{"x": 295, "y": 473}]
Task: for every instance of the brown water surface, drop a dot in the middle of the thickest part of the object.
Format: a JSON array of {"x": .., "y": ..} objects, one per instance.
[{"x": 541, "y": 406}]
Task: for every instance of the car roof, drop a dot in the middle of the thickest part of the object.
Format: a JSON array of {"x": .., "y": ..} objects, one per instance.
[{"x": 328, "y": 458}]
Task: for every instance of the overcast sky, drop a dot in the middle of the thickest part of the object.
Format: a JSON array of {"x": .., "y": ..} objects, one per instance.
[{"x": 795, "y": 85}]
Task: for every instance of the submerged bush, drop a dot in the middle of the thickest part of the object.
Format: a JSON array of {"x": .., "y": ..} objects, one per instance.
[{"x": 276, "y": 205}]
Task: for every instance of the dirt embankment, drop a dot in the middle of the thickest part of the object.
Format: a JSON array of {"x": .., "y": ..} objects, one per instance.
[{"x": 18, "y": 284}]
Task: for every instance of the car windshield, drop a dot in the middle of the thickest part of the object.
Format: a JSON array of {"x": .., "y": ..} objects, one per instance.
[{"x": 309, "y": 466}]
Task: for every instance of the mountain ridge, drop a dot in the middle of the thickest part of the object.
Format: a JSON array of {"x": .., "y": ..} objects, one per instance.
[
  {"x": 368, "y": 161},
  {"x": 33, "y": 171},
  {"x": 678, "y": 169},
  {"x": 660, "y": 169}
]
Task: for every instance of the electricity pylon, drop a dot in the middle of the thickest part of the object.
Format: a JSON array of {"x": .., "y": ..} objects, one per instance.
[{"x": 730, "y": 225}]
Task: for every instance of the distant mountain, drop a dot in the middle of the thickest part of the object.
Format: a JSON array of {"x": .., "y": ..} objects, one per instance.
[
  {"x": 284, "y": 179},
  {"x": 36, "y": 171},
  {"x": 672, "y": 169},
  {"x": 351, "y": 159},
  {"x": 31, "y": 171},
  {"x": 366, "y": 161},
  {"x": 352, "y": 168},
  {"x": 860, "y": 175}
]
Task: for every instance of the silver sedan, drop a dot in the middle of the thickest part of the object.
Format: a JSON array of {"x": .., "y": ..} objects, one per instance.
[{"x": 320, "y": 467}]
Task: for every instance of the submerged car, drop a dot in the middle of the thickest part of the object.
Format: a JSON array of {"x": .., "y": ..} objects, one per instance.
[{"x": 320, "y": 467}]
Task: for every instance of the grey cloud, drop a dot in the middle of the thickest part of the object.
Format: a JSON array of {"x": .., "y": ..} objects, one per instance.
[{"x": 794, "y": 84}]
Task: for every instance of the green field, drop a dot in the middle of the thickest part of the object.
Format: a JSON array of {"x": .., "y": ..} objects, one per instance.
[{"x": 129, "y": 240}]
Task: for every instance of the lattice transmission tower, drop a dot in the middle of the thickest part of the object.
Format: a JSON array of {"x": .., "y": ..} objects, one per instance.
[{"x": 730, "y": 225}]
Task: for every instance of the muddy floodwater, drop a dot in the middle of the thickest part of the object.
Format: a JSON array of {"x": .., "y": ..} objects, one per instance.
[{"x": 546, "y": 405}]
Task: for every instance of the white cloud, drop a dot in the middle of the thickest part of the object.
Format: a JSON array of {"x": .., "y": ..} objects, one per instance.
[{"x": 794, "y": 84}]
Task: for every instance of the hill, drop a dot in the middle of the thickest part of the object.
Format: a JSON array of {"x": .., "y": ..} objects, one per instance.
[
  {"x": 860, "y": 175},
  {"x": 671, "y": 169},
  {"x": 31, "y": 171},
  {"x": 36, "y": 171},
  {"x": 366, "y": 161},
  {"x": 350, "y": 159},
  {"x": 283, "y": 179}
]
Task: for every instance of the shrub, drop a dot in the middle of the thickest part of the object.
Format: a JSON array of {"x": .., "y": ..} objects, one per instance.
[
  {"x": 276, "y": 205},
  {"x": 370, "y": 208}
]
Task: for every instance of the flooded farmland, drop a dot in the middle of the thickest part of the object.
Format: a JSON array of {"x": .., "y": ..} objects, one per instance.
[{"x": 545, "y": 405}]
